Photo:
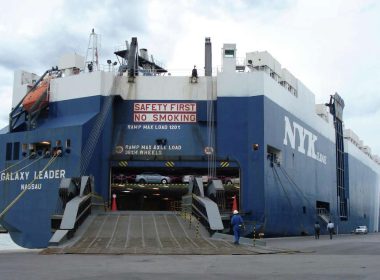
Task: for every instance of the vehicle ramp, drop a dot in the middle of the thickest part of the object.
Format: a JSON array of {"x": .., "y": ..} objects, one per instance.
[{"x": 135, "y": 232}]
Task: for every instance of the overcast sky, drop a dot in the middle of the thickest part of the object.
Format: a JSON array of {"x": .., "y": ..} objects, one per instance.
[{"x": 330, "y": 45}]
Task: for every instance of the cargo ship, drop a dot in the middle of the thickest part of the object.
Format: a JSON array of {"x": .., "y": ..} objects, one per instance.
[{"x": 139, "y": 135}]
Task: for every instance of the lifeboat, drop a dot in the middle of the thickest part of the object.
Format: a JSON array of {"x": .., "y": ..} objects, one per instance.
[{"x": 35, "y": 95}]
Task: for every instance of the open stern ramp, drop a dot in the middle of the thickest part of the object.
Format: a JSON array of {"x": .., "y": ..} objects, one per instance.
[{"x": 148, "y": 233}]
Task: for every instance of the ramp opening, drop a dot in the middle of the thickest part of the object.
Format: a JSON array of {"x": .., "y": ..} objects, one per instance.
[{"x": 161, "y": 189}]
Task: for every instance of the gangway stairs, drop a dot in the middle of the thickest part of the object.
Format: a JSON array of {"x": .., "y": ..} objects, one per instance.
[{"x": 324, "y": 214}]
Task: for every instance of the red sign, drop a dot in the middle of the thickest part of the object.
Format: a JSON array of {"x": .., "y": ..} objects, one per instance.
[{"x": 165, "y": 112}]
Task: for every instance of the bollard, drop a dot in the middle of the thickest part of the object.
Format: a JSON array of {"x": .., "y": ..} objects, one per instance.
[
  {"x": 254, "y": 235},
  {"x": 113, "y": 205}
]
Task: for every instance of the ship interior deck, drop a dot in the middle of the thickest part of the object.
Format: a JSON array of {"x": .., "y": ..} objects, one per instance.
[{"x": 165, "y": 194}]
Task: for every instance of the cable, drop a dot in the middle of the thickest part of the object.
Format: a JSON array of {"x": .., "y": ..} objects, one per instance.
[
  {"x": 26, "y": 188},
  {"x": 283, "y": 188},
  {"x": 33, "y": 162},
  {"x": 297, "y": 187},
  {"x": 17, "y": 163}
]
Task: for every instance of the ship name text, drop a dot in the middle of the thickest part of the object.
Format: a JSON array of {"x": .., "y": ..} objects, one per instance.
[
  {"x": 303, "y": 134},
  {"x": 37, "y": 175}
]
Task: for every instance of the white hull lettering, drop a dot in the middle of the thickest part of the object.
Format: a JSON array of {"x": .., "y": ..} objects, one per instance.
[
  {"x": 31, "y": 186},
  {"x": 14, "y": 176},
  {"x": 305, "y": 137},
  {"x": 49, "y": 174}
]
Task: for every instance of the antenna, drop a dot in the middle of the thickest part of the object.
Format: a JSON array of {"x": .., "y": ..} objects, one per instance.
[{"x": 92, "y": 54}]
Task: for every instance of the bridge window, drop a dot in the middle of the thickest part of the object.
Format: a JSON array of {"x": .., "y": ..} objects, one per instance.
[
  {"x": 24, "y": 149},
  {"x": 16, "y": 151},
  {"x": 229, "y": 53},
  {"x": 8, "y": 154}
]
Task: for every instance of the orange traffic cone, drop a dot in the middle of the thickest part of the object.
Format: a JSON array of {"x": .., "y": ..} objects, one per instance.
[
  {"x": 114, "y": 206},
  {"x": 234, "y": 204}
]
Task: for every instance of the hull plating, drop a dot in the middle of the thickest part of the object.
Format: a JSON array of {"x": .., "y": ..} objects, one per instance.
[{"x": 281, "y": 182}]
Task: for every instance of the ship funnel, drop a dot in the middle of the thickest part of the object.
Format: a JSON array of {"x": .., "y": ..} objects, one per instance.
[
  {"x": 144, "y": 54},
  {"x": 208, "y": 57}
]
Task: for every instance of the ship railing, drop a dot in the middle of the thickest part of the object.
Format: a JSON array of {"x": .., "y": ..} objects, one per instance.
[
  {"x": 185, "y": 72},
  {"x": 115, "y": 69},
  {"x": 177, "y": 72},
  {"x": 323, "y": 211},
  {"x": 324, "y": 214},
  {"x": 207, "y": 212}
]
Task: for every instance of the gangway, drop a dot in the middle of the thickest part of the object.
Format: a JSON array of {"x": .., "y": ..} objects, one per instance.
[{"x": 202, "y": 206}]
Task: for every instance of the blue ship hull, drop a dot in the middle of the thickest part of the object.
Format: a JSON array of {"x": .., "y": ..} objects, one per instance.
[{"x": 280, "y": 196}]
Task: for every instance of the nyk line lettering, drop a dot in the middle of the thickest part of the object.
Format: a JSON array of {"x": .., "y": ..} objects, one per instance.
[{"x": 306, "y": 141}]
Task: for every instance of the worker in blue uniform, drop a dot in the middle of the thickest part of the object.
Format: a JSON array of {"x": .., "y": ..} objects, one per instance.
[{"x": 237, "y": 224}]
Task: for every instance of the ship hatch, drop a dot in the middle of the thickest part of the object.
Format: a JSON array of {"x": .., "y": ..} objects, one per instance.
[{"x": 161, "y": 189}]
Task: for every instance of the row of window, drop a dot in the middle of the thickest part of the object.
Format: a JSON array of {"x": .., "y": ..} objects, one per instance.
[{"x": 35, "y": 149}]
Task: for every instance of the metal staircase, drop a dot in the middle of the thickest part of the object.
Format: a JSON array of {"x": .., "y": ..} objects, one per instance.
[
  {"x": 202, "y": 206},
  {"x": 96, "y": 130},
  {"x": 324, "y": 214}
]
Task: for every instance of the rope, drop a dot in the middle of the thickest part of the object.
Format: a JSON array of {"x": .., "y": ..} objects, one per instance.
[
  {"x": 297, "y": 187},
  {"x": 211, "y": 164},
  {"x": 283, "y": 188},
  {"x": 33, "y": 162},
  {"x": 26, "y": 188},
  {"x": 17, "y": 163}
]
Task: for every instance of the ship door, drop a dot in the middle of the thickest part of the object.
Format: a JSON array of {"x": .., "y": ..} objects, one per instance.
[{"x": 162, "y": 188}]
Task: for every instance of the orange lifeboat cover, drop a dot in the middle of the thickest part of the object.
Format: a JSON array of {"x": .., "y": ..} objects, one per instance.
[{"x": 34, "y": 95}]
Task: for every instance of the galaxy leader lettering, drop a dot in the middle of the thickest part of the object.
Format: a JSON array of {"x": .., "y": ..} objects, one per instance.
[
  {"x": 37, "y": 175},
  {"x": 165, "y": 112},
  {"x": 303, "y": 133}
]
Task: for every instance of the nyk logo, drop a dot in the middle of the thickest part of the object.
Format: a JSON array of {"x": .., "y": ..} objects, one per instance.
[{"x": 305, "y": 137}]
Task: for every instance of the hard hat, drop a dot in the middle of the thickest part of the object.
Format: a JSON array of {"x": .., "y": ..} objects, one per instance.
[{"x": 235, "y": 212}]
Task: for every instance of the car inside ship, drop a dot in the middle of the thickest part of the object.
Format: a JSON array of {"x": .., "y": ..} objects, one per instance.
[{"x": 161, "y": 189}]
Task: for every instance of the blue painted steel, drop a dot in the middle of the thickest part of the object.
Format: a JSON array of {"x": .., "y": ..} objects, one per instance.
[
  {"x": 280, "y": 198},
  {"x": 362, "y": 184},
  {"x": 28, "y": 220}
]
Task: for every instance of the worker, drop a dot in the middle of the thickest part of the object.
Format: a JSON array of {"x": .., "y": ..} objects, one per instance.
[
  {"x": 194, "y": 73},
  {"x": 237, "y": 224}
]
